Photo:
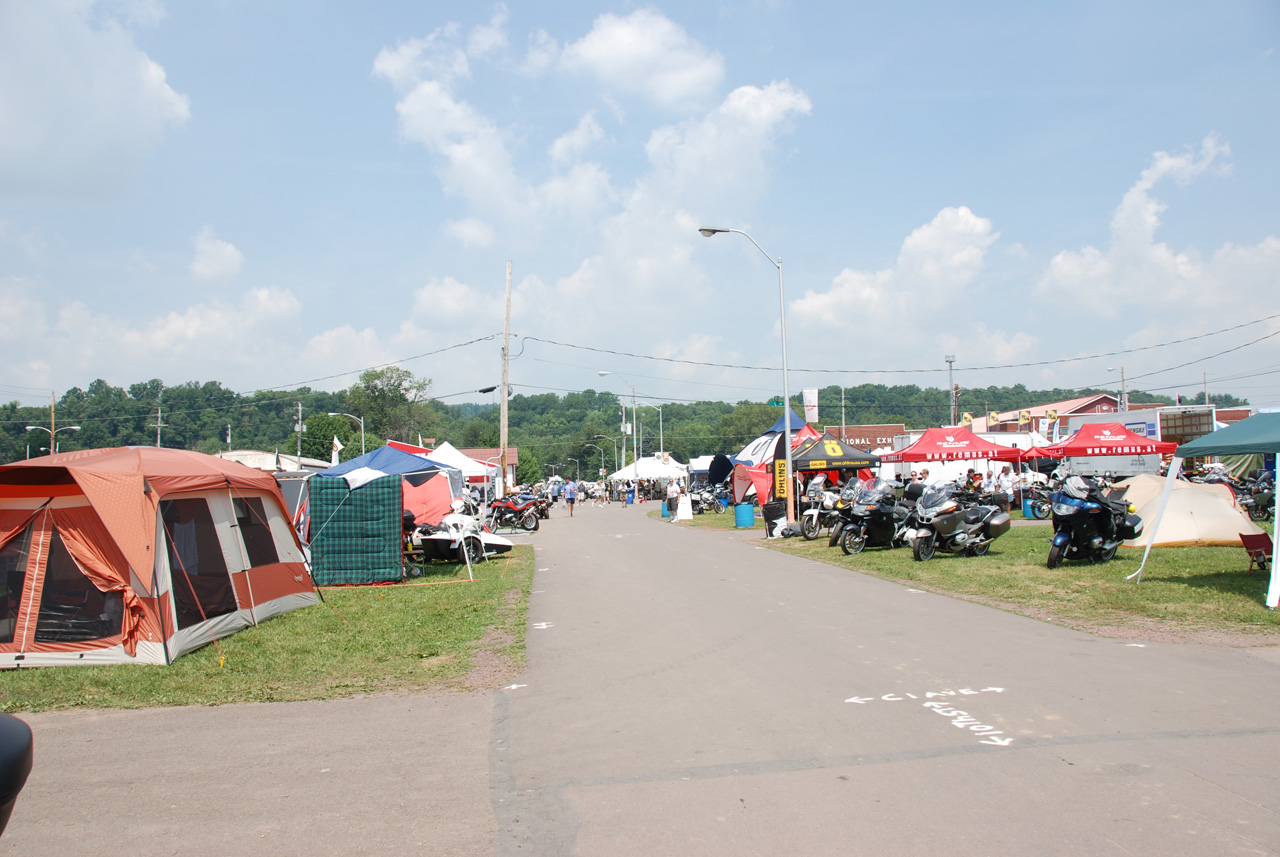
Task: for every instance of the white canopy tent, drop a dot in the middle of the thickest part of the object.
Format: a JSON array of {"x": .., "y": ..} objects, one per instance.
[
  {"x": 447, "y": 455},
  {"x": 650, "y": 468}
]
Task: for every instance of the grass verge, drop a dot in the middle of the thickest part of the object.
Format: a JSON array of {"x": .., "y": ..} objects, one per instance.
[
  {"x": 1187, "y": 594},
  {"x": 438, "y": 632}
]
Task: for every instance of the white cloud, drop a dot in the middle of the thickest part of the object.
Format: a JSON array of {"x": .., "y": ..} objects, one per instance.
[
  {"x": 488, "y": 39},
  {"x": 215, "y": 257},
  {"x": 81, "y": 127},
  {"x": 434, "y": 57},
  {"x": 542, "y": 53},
  {"x": 570, "y": 147},
  {"x": 648, "y": 55},
  {"x": 470, "y": 231}
]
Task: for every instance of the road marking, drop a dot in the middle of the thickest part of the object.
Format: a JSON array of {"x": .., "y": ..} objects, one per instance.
[
  {"x": 514, "y": 686},
  {"x": 543, "y": 625},
  {"x": 1136, "y": 645},
  {"x": 916, "y": 590},
  {"x": 959, "y": 719},
  {"x": 544, "y": 569}
]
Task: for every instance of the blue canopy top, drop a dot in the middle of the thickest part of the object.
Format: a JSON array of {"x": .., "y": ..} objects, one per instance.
[
  {"x": 384, "y": 458},
  {"x": 796, "y": 422}
]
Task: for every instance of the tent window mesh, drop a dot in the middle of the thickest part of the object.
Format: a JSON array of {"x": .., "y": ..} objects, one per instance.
[
  {"x": 72, "y": 609},
  {"x": 255, "y": 532},
  {"x": 201, "y": 585},
  {"x": 13, "y": 572}
]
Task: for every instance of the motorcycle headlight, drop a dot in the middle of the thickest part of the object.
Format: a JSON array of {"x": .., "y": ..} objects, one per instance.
[{"x": 1060, "y": 508}]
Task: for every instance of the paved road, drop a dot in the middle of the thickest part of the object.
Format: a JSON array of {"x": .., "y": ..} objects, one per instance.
[{"x": 691, "y": 692}]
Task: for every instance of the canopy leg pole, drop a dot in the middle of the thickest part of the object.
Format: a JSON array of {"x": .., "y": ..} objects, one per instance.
[{"x": 1175, "y": 467}]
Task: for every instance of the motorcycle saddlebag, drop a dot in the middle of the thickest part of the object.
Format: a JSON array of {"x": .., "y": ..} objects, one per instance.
[
  {"x": 1131, "y": 528},
  {"x": 999, "y": 524}
]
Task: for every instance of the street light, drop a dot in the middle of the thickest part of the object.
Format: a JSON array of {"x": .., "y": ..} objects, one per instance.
[
  {"x": 578, "y": 468},
  {"x": 707, "y": 232},
  {"x": 615, "y": 448},
  {"x": 635, "y": 451},
  {"x": 601, "y": 448},
  {"x": 357, "y": 419},
  {"x": 1124, "y": 393},
  {"x": 52, "y": 432},
  {"x": 661, "y": 446}
]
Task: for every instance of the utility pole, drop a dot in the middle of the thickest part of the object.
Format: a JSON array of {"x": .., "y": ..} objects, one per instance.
[
  {"x": 1206, "y": 388},
  {"x": 951, "y": 387},
  {"x": 159, "y": 424},
  {"x": 506, "y": 360},
  {"x": 843, "y": 436},
  {"x": 301, "y": 428},
  {"x": 228, "y": 437}
]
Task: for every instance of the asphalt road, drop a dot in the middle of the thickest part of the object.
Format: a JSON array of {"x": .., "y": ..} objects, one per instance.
[{"x": 690, "y": 692}]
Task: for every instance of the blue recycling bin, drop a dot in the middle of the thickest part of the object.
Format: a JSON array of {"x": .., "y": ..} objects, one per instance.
[
  {"x": 744, "y": 515},
  {"x": 1026, "y": 509},
  {"x": 666, "y": 513},
  {"x": 631, "y": 497}
]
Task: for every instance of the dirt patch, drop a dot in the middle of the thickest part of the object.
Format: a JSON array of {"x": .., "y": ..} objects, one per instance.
[{"x": 492, "y": 665}]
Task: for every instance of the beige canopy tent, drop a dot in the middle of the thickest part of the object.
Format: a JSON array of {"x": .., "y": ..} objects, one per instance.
[{"x": 1196, "y": 514}]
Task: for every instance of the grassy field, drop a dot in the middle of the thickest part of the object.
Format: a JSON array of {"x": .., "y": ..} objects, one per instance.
[
  {"x": 438, "y": 632},
  {"x": 1185, "y": 592}
]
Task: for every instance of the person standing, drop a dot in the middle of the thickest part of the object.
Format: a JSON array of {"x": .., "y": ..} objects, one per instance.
[
  {"x": 673, "y": 498},
  {"x": 570, "y": 495},
  {"x": 1005, "y": 482}
]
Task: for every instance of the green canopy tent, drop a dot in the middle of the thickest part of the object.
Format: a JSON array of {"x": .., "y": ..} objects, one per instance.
[{"x": 1259, "y": 433}]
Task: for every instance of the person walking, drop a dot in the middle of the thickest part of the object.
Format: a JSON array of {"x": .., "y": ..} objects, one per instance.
[
  {"x": 570, "y": 495},
  {"x": 673, "y": 498}
]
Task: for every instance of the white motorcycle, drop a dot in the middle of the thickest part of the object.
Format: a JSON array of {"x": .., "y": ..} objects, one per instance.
[{"x": 458, "y": 536}]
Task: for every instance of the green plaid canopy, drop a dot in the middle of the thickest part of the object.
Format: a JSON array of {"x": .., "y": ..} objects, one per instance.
[{"x": 355, "y": 535}]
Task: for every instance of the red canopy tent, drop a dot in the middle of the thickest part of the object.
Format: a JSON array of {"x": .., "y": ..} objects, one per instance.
[
  {"x": 951, "y": 444},
  {"x": 1107, "y": 439}
]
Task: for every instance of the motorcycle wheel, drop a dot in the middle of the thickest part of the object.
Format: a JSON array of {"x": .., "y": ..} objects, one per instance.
[
  {"x": 834, "y": 538},
  {"x": 980, "y": 550},
  {"x": 852, "y": 541},
  {"x": 529, "y": 522},
  {"x": 1107, "y": 555},
  {"x": 1041, "y": 510},
  {"x": 720, "y": 507},
  {"x": 1056, "y": 552},
  {"x": 809, "y": 527},
  {"x": 924, "y": 547},
  {"x": 1258, "y": 513},
  {"x": 471, "y": 548}
]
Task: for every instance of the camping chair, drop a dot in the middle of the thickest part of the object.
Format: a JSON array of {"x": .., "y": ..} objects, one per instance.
[{"x": 1259, "y": 548}]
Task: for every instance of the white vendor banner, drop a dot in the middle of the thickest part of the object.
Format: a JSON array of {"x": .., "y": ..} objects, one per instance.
[{"x": 811, "y": 404}]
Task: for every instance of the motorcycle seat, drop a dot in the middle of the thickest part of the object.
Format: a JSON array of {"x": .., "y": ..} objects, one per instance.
[{"x": 976, "y": 514}]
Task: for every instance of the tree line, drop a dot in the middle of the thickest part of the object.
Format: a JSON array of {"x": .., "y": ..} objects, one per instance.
[{"x": 574, "y": 434}]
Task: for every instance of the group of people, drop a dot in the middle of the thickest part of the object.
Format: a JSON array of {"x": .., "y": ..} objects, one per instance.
[{"x": 999, "y": 486}]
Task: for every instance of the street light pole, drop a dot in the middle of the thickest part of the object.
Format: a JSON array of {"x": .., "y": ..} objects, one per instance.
[
  {"x": 601, "y": 448},
  {"x": 53, "y": 447},
  {"x": 578, "y": 468},
  {"x": 635, "y": 450},
  {"x": 357, "y": 419},
  {"x": 615, "y": 449},
  {"x": 786, "y": 384},
  {"x": 661, "y": 445}
]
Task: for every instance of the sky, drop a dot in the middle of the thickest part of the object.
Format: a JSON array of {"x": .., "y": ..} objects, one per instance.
[{"x": 280, "y": 192}]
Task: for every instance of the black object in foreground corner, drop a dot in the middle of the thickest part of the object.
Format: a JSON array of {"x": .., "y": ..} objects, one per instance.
[{"x": 15, "y": 763}]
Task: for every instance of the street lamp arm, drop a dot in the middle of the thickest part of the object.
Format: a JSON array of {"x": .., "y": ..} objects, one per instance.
[{"x": 707, "y": 232}]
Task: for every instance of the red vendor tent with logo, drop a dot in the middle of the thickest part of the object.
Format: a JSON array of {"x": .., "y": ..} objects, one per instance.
[
  {"x": 1107, "y": 439},
  {"x": 951, "y": 444}
]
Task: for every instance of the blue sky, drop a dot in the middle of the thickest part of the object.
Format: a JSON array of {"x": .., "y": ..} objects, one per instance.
[{"x": 267, "y": 193}]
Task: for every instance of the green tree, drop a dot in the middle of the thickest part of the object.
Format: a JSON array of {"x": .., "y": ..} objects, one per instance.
[{"x": 391, "y": 400}]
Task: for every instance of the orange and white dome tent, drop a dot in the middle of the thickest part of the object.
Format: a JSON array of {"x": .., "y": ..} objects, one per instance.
[{"x": 139, "y": 555}]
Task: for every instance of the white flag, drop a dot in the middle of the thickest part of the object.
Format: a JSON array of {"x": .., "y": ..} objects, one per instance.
[
  {"x": 811, "y": 405},
  {"x": 337, "y": 447}
]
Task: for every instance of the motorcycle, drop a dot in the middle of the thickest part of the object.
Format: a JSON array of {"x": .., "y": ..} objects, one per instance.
[
  {"x": 1261, "y": 504},
  {"x": 513, "y": 512},
  {"x": 1087, "y": 524},
  {"x": 706, "y": 500},
  {"x": 951, "y": 520},
  {"x": 1038, "y": 494},
  {"x": 459, "y": 536},
  {"x": 822, "y": 512},
  {"x": 875, "y": 518}
]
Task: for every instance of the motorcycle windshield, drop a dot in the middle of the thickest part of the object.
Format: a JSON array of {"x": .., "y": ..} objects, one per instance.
[
  {"x": 874, "y": 490},
  {"x": 851, "y": 490},
  {"x": 935, "y": 496},
  {"x": 816, "y": 487}
]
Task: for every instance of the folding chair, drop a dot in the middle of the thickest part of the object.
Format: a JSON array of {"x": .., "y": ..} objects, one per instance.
[{"x": 1259, "y": 548}]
